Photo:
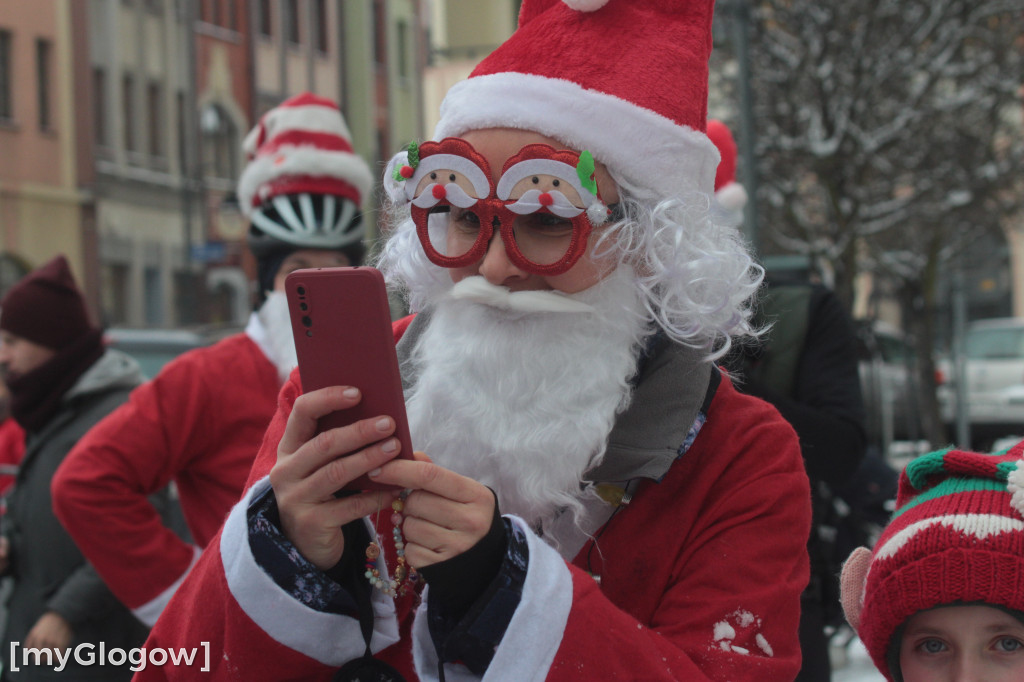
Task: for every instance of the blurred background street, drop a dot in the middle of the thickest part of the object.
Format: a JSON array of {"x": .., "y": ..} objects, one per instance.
[{"x": 881, "y": 144}]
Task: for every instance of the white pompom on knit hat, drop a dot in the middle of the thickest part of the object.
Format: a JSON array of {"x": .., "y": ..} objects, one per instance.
[{"x": 626, "y": 80}]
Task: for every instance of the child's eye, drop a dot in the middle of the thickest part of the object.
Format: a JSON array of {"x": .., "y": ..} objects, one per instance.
[
  {"x": 932, "y": 646},
  {"x": 1009, "y": 644}
]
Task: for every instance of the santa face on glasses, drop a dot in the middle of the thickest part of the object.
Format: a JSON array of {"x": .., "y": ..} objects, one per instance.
[{"x": 529, "y": 226}]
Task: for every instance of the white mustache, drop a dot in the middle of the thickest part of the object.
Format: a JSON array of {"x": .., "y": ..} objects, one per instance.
[
  {"x": 479, "y": 290},
  {"x": 455, "y": 195},
  {"x": 530, "y": 203}
]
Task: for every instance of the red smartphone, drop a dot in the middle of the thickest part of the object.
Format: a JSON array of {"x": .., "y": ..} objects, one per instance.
[{"x": 341, "y": 323}]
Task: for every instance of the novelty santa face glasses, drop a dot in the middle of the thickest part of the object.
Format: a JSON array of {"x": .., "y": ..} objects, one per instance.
[{"x": 544, "y": 205}]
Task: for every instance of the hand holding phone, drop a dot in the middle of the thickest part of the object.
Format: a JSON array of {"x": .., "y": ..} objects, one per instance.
[{"x": 341, "y": 323}]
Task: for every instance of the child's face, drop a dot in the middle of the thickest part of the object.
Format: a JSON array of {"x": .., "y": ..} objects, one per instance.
[{"x": 961, "y": 643}]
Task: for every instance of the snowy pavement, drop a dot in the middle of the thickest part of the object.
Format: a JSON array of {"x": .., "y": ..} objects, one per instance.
[{"x": 855, "y": 665}]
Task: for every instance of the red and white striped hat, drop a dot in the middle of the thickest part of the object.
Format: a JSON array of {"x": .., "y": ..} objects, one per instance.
[
  {"x": 625, "y": 79},
  {"x": 302, "y": 146}
]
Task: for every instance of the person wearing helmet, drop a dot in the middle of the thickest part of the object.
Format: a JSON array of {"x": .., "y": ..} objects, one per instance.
[{"x": 200, "y": 421}]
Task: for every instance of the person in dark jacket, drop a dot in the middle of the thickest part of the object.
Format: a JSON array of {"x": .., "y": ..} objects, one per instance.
[
  {"x": 806, "y": 366},
  {"x": 62, "y": 381}
]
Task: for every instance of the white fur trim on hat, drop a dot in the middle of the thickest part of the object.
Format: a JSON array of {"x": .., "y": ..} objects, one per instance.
[
  {"x": 311, "y": 161},
  {"x": 586, "y": 5},
  {"x": 641, "y": 146}
]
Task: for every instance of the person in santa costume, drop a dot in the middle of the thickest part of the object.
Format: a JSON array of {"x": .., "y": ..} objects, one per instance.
[
  {"x": 593, "y": 500},
  {"x": 199, "y": 422}
]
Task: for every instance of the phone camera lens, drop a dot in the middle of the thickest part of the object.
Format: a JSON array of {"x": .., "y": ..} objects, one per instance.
[
  {"x": 303, "y": 307},
  {"x": 301, "y": 291},
  {"x": 307, "y": 320}
]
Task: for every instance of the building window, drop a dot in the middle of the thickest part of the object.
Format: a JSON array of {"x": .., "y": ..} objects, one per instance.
[
  {"x": 154, "y": 111},
  {"x": 291, "y": 8},
  {"x": 217, "y": 13},
  {"x": 231, "y": 15},
  {"x": 128, "y": 109},
  {"x": 6, "y": 104},
  {"x": 180, "y": 114},
  {"x": 220, "y": 143},
  {"x": 99, "y": 106},
  {"x": 380, "y": 28},
  {"x": 321, "y": 26},
  {"x": 153, "y": 294},
  {"x": 43, "y": 52},
  {"x": 266, "y": 19},
  {"x": 402, "y": 38},
  {"x": 115, "y": 278}
]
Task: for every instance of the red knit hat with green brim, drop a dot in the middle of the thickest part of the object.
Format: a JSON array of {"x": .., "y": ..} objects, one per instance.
[
  {"x": 957, "y": 536},
  {"x": 626, "y": 80},
  {"x": 46, "y": 307}
]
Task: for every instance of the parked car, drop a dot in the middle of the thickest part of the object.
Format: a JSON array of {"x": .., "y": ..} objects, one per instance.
[
  {"x": 886, "y": 362},
  {"x": 994, "y": 373},
  {"x": 154, "y": 348}
]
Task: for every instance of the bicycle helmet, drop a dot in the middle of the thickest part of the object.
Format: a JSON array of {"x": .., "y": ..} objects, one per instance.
[{"x": 303, "y": 185}]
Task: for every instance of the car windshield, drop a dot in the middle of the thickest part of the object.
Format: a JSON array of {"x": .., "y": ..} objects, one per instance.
[{"x": 988, "y": 344}]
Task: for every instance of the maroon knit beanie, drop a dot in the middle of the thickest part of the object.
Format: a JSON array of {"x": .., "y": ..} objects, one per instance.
[{"x": 46, "y": 307}]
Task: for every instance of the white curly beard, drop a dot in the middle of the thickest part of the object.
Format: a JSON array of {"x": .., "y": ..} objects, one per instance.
[{"x": 523, "y": 401}]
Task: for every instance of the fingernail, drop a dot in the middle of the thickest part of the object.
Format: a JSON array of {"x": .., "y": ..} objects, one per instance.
[
  {"x": 384, "y": 424},
  {"x": 351, "y": 393},
  {"x": 375, "y": 473},
  {"x": 389, "y": 446}
]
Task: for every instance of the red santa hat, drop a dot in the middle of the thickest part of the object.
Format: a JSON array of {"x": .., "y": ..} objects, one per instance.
[
  {"x": 956, "y": 537},
  {"x": 302, "y": 146},
  {"x": 625, "y": 79},
  {"x": 730, "y": 194}
]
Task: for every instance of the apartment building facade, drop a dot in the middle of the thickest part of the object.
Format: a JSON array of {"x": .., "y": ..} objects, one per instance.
[
  {"x": 45, "y": 206},
  {"x": 130, "y": 169}
]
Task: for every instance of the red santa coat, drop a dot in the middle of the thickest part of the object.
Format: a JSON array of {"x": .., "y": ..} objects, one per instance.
[
  {"x": 700, "y": 580},
  {"x": 12, "y": 448},
  {"x": 199, "y": 422}
]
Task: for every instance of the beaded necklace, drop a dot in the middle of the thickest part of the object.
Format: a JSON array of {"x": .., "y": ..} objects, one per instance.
[{"x": 404, "y": 578}]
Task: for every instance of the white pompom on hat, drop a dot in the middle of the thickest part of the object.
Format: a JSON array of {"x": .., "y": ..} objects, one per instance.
[
  {"x": 730, "y": 194},
  {"x": 302, "y": 146},
  {"x": 626, "y": 80}
]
